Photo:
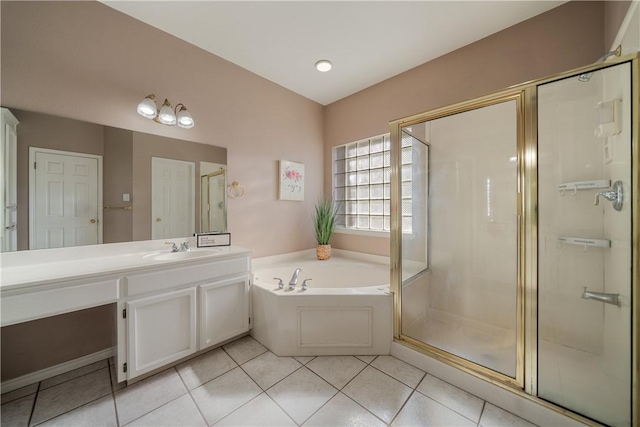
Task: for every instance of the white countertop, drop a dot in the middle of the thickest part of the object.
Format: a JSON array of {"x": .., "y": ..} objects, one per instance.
[{"x": 35, "y": 267}]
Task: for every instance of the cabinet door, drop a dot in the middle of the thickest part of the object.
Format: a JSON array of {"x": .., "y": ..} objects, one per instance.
[
  {"x": 224, "y": 310},
  {"x": 161, "y": 329}
]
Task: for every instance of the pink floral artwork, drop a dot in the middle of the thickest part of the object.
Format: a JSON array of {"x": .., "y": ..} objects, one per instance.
[{"x": 291, "y": 180}]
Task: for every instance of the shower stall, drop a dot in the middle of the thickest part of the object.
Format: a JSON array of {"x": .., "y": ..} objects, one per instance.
[{"x": 515, "y": 239}]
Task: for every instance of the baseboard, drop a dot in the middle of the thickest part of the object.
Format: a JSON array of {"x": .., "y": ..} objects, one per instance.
[{"x": 52, "y": 371}]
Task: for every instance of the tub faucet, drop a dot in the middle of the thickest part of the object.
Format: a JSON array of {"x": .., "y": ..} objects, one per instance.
[
  {"x": 294, "y": 279},
  {"x": 602, "y": 297}
]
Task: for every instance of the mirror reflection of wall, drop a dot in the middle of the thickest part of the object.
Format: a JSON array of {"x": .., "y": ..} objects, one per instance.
[
  {"x": 213, "y": 199},
  {"x": 127, "y": 171}
]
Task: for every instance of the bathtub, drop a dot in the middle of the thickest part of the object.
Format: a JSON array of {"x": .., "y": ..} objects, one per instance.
[{"x": 345, "y": 310}]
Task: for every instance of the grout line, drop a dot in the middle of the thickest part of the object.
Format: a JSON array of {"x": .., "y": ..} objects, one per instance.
[
  {"x": 113, "y": 392},
  {"x": 354, "y": 377},
  {"x": 402, "y": 407},
  {"x": 33, "y": 408},
  {"x": 357, "y": 403},
  {"x": 158, "y": 407},
  {"x": 391, "y": 376},
  {"x": 66, "y": 412},
  {"x": 484, "y": 405},
  {"x": 232, "y": 358},
  {"x": 191, "y": 396},
  {"x": 332, "y": 396},
  {"x": 80, "y": 376}
]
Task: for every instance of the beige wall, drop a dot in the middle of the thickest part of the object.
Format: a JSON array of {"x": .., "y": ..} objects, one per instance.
[
  {"x": 45, "y": 131},
  {"x": 565, "y": 37},
  {"x": 86, "y": 61},
  {"x": 614, "y": 13}
]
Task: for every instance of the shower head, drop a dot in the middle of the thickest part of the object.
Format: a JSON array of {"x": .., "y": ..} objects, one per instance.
[{"x": 585, "y": 77}]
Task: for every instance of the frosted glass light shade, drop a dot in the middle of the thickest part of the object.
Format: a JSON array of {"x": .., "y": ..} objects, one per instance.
[
  {"x": 147, "y": 107},
  {"x": 166, "y": 115},
  {"x": 184, "y": 118},
  {"x": 323, "y": 65}
]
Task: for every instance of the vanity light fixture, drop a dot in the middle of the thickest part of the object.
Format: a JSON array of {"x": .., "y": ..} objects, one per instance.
[
  {"x": 166, "y": 115},
  {"x": 323, "y": 65}
]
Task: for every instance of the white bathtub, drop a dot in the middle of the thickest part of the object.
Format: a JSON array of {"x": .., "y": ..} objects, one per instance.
[{"x": 346, "y": 309}]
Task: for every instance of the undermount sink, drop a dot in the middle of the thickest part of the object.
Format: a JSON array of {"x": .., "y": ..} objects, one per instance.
[{"x": 184, "y": 255}]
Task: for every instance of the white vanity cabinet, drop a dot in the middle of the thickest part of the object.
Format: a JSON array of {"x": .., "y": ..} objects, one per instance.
[
  {"x": 224, "y": 310},
  {"x": 160, "y": 329},
  {"x": 167, "y": 314}
]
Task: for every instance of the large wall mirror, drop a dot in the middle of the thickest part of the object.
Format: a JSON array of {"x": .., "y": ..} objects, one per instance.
[{"x": 82, "y": 183}]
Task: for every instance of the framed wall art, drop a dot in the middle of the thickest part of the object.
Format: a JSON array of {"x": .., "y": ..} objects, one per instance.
[{"x": 291, "y": 181}]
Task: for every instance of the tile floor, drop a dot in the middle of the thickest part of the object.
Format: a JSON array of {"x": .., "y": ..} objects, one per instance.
[{"x": 244, "y": 384}]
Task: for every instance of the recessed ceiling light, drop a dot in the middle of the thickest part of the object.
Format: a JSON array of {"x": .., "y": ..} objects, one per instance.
[{"x": 323, "y": 65}]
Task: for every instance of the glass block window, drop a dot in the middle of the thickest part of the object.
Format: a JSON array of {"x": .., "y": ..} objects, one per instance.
[{"x": 361, "y": 184}]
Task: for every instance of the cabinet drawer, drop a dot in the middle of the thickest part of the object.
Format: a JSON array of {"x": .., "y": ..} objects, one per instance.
[
  {"x": 165, "y": 279},
  {"x": 42, "y": 303}
]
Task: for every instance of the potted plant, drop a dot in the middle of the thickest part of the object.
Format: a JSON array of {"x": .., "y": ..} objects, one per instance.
[{"x": 324, "y": 222}]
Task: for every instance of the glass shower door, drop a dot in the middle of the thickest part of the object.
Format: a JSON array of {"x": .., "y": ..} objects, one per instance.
[
  {"x": 459, "y": 196},
  {"x": 584, "y": 246}
]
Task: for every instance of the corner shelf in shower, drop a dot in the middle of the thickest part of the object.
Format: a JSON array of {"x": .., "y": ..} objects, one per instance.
[
  {"x": 584, "y": 185},
  {"x": 580, "y": 241}
]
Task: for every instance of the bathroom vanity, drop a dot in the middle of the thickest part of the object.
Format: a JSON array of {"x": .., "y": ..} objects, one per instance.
[{"x": 169, "y": 305}]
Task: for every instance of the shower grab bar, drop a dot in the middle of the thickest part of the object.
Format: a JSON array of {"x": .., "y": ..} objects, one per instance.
[{"x": 613, "y": 299}]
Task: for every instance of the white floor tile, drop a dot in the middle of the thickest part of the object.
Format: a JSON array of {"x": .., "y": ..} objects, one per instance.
[
  {"x": 378, "y": 393},
  {"x": 204, "y": 368},
  {"x": 341, "y": 411},
  {"x": 301, "y": 394},
  {"x": 179, "y": 412},
  {"x": 69, "y": 395},
  {"x": 403, "y": 372},
  {"x": 134, "y": 401},
  {"x": 59, "y": 379},
  {"x": 17, "y": 412},
  {"x": 366, "y": 359},
  {"x": 244, "y": 349},
  {"x": 261, "y": 411},
  {"x": 464, "y": 403},
  {"x": 99, "y": 413},
  {"x": 223, "y": 395},
  {"x": 422, "y": 411},
  {"x": 267, "y": 369},
  {"x": 18, "y": 393},
  {"x": 337, "y": 370},
  {"x": 492, "y": 416}
]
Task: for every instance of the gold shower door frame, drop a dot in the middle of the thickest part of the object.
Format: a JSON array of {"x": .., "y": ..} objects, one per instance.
[{"x": 525, "y": 382}]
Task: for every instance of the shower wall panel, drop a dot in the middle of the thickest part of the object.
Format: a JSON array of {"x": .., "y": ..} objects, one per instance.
[{"x": 584, "y": 353}]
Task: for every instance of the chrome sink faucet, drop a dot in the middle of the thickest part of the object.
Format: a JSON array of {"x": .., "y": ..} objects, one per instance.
[
  {"x": 184, "y": 247},
  {"x": 294, "y": 279}
]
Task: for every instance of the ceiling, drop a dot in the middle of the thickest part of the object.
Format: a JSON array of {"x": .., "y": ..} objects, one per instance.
[{"x": 367, "y": 41}]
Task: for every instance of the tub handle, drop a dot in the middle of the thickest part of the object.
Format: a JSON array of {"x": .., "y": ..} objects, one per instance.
[
  {"x": 280, "y": 282},
  {"x": 304, "y": 284}
]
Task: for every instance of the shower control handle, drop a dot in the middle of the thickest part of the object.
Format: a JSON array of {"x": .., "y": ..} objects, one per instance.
[{"x": 615, "y": 196}]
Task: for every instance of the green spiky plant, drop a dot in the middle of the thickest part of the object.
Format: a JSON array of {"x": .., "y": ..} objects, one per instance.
[{"x": 324, "y": 220}]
